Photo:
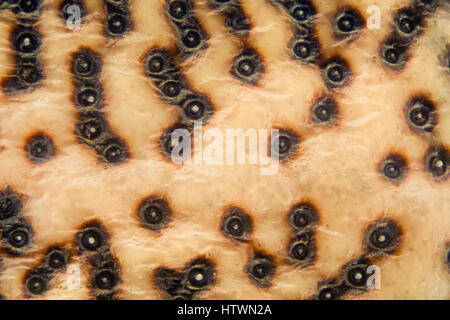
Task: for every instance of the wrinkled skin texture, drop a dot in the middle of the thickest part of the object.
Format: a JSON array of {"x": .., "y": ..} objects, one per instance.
[{"x": 336, "y": 168}]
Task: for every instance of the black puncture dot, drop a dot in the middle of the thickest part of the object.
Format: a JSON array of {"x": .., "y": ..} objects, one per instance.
[
  {"x": 236, "y": 225},
  {"x": 10, "y": 205},
  {"x": 89, "y": 96},
  {"x": 421, "y": 114},
  {"x": 302, "y": 13},
  {"x": 191, "y": 38},
  {"x": 329, "y": 290},
  {"x": 29, "y": 73},
  {"x": 354, "y": 273},
  {"x": 303, "y": 216},
  {"x": 40, "y": 148},
  {"x": 394, "y": 53},
  {"x": 200, "y": 274},
  {"x": 17, "y": 238},
  {"x": 91, "y": 127},
  {"x": 336, "y": 73},
  {"x": 301, "y": 251},
  {"x": 154, "y": 213},
  {"x": 383, "y": 237},
  {"x": 56, "y": 258},
  {"x": 171, "y": 88},
  {"x": 436, "y": 161},
  {"x": 168, "y": 142},
  {"x": 29, "y": 6},
  {"x": 393, "y": 167},
  {"x": 169, "y": 281},
  {"x": 105, "y": 279},
  {"x": 284, "y": 144},
  {"x": 247, "y": 66},
  {"x": 65, "y": 14},
  {"x": 157, "y": 62},
  {"x": 261, "y": 269},
  {"x": 305, "y": 49},
  {"x": 237, "y": 22},
  {"x": 407, "y": 22},
  {"x": 179, "y": 9},
  {"x": 92, "y": 239},
  {"x": 37, "y": 282},
  {"x": 86, "y": 64},
  {"x": 26, "y": 40},
  {"x": 324, "y": 111},
  {"x": 113, "y": 151},
  {"x": 117, "y": 24},
  {"x": 347, "y": 23}
]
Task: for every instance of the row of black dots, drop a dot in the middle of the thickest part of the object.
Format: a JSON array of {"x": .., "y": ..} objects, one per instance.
[
  {"x": 303, "y": 220},
  {"x": 408, "y": 25},
  {"x": 237, "y": 225},
  {"x": 26, "y": 43},
  {"x": 37, "y": 280},
  {"x": 92, "y": 128},
  {"x": 236, "y": 21},
  {"x": 17, "y": 234},
  {"x": 191, "y": 38},
  {"x": 118, "y": 18},
  {"x": 247, "y": 66},
  {"x": 173, "y": 88},
  {"x": 93, "y": 241},
  {"x": 381, "y": 238},
  {"x": 198, "y": 275},
  {"x": 304, "y": 47}
]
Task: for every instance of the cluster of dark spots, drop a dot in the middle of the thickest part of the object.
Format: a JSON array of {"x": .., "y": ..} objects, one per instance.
[
  {"x": 236, "y": 21},
  {"x": 236, "y": 224},
  {"x": 93, "y": 241},
  {"x": 92, "y": 128},
  {"x": 154, "y": 213},
  {"x": 28, "y": 73},
  {"x": 17, "y": 234},
  {"x": 408, "y": 22},
  {"x": 261, "y": 269},
  {"x": 421, "y": 114},
  {"x": 382, "y": 237},
  {"x": 436, "y": 161},
  {"x": 198, "y": 275},
  {"x": 70, "y": 8},
  {"x": 352, "y": 279},
  {"x": 324, "y": 111},
  {"x": 40, "y": 148},
  {"x": 303, "y": 219},
  {"x": 247, "y": 66},
  {"x": 105, "y": 277},
  {"x": 301, "y": 12},
  {"x": 393, "y": 167},
  {"x": 336, "y": 72},
  {"x": 173, "y": 88},
  {"x": 37, "y": 280},
  {"x": 117, "y": 18},
  {"x": 191, "y": 38},
  {"x": 305, "y": 49},
  {"x": 347, "y": 23},
  {"x": 284, "y": 144}
]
